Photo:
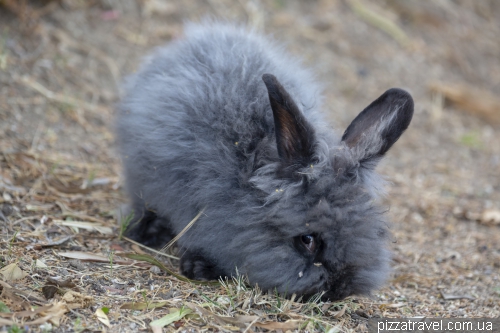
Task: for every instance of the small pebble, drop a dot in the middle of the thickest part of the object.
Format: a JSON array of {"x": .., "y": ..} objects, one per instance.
[{"x": 155, "y": 270}]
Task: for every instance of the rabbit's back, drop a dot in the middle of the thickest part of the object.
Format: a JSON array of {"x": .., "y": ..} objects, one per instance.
[{"x": 196, "y": 112}]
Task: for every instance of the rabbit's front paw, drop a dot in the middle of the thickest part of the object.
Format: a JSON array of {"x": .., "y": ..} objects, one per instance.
[
  {"x": 149, "y": 229},
  {"x": 195, "y": 266}
]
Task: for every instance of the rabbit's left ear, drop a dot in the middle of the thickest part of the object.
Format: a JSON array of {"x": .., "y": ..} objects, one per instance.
[
  {"x": 379, "y": 126},
  {"x": 294, "y": 135}
]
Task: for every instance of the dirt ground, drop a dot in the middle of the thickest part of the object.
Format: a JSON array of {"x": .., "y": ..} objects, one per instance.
[{"x": 61, "y": 64}]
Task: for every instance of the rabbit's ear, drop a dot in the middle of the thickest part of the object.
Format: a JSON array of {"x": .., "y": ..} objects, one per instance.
[
  {"x": 294, "y": 135},
  {"x": 379, "y": 126}
]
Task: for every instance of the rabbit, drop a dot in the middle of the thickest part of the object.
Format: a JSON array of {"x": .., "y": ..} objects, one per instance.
[{"x": 224, "y": 122}]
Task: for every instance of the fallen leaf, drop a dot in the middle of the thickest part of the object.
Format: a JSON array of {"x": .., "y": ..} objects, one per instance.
[
  {"x": 55, "y": 243},
  {"x": 62, "y": 283},
  {"x": 175, "y": 315},
  {"x": 275, "y": 325},
  {"x": 116, "y": 247},
  {"x": 114, "y": 290},
  {"x": 75, "y": 300},
  {"x": 52, "y": 312},
  {"x": 32, "y": 311},
  {"x": 137, "y": 249},
  {"x": 85, "y": 225},
  {"x": 391, "y": 306},
  {"x": 142, "y": 305},
  {"x": 340, "y": 313},
  {"x": 93, "y": 257},
  {"x": 12, "y": 272},
  {"x": 40, "y": 264},
  {"x": 102, "y": 317},
  {"x": 480, "y": 102},
  {"x": 449, "y": 297},
  {"x": 490, "y": 217},
  {"x": 39, "y": 207}
]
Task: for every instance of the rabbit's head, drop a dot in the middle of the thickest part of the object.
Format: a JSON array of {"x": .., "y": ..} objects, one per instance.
[{"x": 322, "y": 230}]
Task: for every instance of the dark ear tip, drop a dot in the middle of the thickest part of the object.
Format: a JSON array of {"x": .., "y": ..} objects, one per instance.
[
  {"x": 274, "y": 88},
  {"x": 402, "y": 97},
  {"x": 269, "y": 79},
  {"x": 398, "y": 91}
]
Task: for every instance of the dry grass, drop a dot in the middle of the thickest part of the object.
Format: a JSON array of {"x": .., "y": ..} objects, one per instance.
[{"x": 64, "y": 266}]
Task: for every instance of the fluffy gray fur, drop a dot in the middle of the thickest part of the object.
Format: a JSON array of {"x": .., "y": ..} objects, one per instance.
[{"x": 196, "y": 130}]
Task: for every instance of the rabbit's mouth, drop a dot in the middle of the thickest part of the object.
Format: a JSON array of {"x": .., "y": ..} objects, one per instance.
[
  {"x": 339, "y": 285},
  {"x": 337, "y": 292},
  {"x": 328, "y": 296}
]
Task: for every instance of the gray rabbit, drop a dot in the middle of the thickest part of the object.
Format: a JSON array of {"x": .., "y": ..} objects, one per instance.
[{"x": 224, "y": 121}]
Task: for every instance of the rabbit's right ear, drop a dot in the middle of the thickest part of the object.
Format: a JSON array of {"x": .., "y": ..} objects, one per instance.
[
  {"x": 294, "y": 134},
  {"x": 379, "y": 126}
]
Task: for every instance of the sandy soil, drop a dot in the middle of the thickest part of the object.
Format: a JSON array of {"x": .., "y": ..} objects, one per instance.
[{"x": 61, "y": 63}]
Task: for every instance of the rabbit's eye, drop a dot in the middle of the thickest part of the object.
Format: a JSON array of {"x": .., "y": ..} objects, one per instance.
[{"x": 309, "y": 242}]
